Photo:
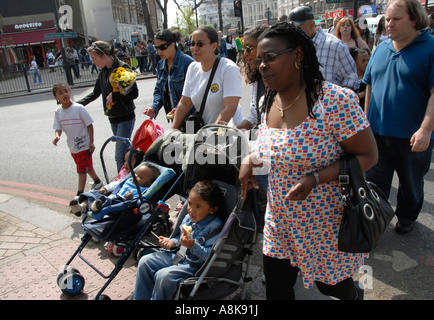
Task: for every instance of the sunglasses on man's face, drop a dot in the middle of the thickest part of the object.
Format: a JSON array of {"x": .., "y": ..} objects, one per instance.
[{"x": 163, "y": 46}]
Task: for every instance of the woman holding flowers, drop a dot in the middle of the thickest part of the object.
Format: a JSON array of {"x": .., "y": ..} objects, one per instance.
[{"x": 118, "y": 89}]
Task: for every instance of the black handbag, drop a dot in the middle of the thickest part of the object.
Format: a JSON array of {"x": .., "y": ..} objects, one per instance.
[
  {"x": 195, "y": 119},
  {"x": 367, "y": 212}
]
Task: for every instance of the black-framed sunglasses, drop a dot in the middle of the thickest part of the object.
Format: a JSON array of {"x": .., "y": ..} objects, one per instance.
[
  {"x": 271, "y": 56},
  {"x": 249, "y": 49},
  {"x": 198, "y": 44},
  {"x": 163, "y": 46}
]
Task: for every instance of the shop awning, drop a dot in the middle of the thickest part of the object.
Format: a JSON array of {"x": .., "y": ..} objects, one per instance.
[{"x": 26, "y": 38}]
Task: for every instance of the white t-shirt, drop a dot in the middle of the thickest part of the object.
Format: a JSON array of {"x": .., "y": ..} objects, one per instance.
[
  {"x": 226, "y": 83},
  {"x": 74, "y": 122}
]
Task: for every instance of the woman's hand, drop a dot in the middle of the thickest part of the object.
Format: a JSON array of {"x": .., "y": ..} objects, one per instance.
[
  {"x": 301, "y": 190},
  {"x": 150, "y": 112},
  {"x": 246, "y": 176},
  {"x": 109, "y": 99},
  {"x": 171, "y": 114}
]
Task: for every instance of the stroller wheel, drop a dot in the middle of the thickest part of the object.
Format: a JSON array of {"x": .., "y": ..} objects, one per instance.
[
  {"x": 109, "y": 247},
  {"x": 117, "y": 251},
  {"x": 71, "y": 284},
  {"x": 64, "y": 271},
  {"x": 104, "y": 297}
]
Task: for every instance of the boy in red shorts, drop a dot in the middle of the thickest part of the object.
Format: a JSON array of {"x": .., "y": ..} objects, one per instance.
[{"x": 75, "y": 121}]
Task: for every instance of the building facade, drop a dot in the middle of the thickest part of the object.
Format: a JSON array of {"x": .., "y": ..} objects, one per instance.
[
  {"x": 208, "y": 15},
  {"x": 259, "y": 12},
  {"x": 23, "y": 26}
]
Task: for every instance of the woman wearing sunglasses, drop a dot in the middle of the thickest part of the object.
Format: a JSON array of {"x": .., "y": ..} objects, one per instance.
[
  {"x": 224, "y": 95},
  {"x": 307, "y": 124},
  {"x": 122, "y": 115},
  {"x": 171, "y": 71},
  {"x": 252, "y": 76}
]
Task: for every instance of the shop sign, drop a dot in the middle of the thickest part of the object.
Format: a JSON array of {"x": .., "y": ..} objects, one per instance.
[
  {"x": 338, "y": 14},
  {"x": 28, "y": 26}
]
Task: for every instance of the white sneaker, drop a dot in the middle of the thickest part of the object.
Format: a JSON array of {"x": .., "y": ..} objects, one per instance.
[
  {"x": 77, "y": 208},
  {"x": 96, "y": 186}
]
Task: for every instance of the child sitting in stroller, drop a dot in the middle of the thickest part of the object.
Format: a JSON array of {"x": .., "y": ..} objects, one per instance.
[
  {"x": 136, "y": 159},
  {"x": 159, "y": 273},
  {"x": 145, "y": 174}
]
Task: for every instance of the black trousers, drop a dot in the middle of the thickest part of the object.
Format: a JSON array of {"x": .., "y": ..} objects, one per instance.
[
  {"x": 280, "y": 279},
  {"x": 411, "y": 167}
]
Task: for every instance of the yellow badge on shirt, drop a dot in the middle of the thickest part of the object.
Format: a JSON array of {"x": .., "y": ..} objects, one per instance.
[{"x": 214, "y": 88}]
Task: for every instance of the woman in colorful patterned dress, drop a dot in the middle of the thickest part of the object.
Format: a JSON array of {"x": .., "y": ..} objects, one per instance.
[{"x": 307, "y": 125}]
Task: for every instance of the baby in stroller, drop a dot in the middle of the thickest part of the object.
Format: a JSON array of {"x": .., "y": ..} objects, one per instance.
[
  {"x": 119, "y": 191},
  {"x": 159, "y": 273}
]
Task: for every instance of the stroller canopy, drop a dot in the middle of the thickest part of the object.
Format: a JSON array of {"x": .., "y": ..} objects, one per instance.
[{"x": 214, "y": 150}]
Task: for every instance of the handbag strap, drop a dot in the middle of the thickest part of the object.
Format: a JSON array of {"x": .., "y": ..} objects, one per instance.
[
  {"x": 344, "y": 177},
  {"x": 350, "y": 174},
  {"x": 208, "y": 86}
]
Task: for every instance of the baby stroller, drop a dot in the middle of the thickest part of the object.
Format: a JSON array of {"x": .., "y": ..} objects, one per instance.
[
  {"x": 125, "y": 226},
  {"x": 227, "y": 267},
  {"x": 215, "y": 153}
]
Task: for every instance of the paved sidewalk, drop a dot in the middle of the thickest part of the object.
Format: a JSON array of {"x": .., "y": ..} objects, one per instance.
[
  {"x": 34, "y": 246},
  {"x": 35, "y": 242}
]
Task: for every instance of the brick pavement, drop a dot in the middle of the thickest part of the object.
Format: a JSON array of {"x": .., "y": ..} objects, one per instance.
[
  {"x": 31, "y": 256},
  {"x": 36, "y": 242}
]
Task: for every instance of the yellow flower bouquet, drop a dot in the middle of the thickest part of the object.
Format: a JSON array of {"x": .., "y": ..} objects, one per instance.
[{"x": 122, "y": 80}]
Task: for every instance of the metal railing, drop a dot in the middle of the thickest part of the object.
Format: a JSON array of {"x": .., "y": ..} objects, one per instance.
[
  {"x": 24, "y": 80},
  {"x": 19, "y": 79}
]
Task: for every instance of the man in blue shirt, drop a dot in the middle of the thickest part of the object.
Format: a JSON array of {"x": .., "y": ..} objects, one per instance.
[{"x": 400, "y": 107}]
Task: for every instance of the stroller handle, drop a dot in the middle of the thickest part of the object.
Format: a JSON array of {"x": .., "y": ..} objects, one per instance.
[{"x": 130, "y": 156}]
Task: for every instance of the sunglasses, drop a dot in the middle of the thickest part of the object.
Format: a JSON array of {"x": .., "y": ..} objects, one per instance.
[
  {"x": 94, "y": 46},
  {"x": 198, "y": 44},
  {"x": 163, "y": 46},
  {"x": 249, "y": 49},
  {"x": 271, "y": 56}
]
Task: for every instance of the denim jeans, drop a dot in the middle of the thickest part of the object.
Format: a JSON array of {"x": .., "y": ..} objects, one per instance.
[
  {"x": 157, "y": 278},
  {"x": 37, "y": 74},
  {"x": 395, "y": 155},
  {"x": 125, "y": 130}
]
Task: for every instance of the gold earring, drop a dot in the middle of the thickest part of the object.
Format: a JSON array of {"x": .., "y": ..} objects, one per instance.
[{"x": 297, "y": 65}]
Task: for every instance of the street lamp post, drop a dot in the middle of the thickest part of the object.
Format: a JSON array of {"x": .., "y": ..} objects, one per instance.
[{"x": 65, "y": 63}]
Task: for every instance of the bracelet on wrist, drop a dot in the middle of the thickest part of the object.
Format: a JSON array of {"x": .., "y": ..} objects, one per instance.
[{"x": 316, "y": 176}]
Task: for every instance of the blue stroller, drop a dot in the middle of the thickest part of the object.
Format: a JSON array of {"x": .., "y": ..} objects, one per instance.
[{"x": 125, "y": 225}]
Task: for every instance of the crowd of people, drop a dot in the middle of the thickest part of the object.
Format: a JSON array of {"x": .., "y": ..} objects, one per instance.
[{"x": 316, "y": 95}]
